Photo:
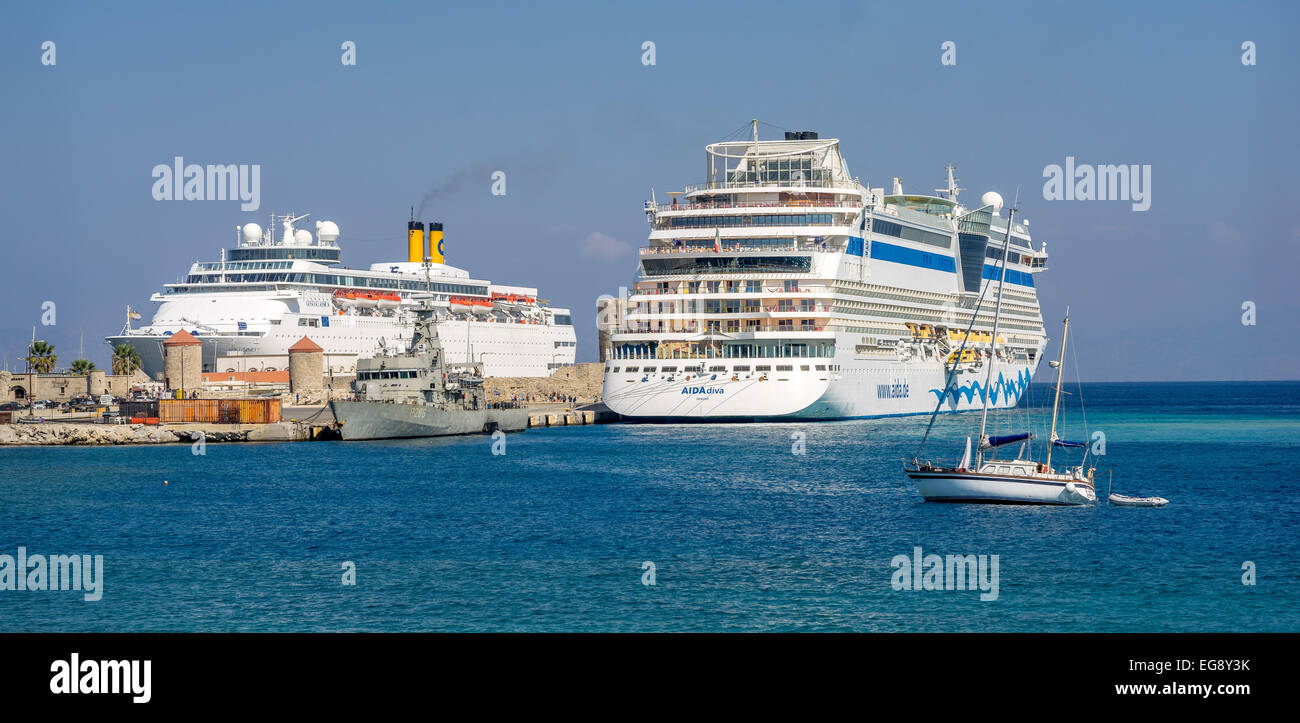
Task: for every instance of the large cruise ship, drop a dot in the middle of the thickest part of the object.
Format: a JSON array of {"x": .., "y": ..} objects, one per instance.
[
  {"x": 264, "y": 294},
  {"x": 784, "y": 288}
]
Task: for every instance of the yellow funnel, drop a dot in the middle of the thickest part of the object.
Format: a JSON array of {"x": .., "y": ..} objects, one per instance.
[
  {"x": 415, "y": 242},
  {"x": 435, "y": 243}
]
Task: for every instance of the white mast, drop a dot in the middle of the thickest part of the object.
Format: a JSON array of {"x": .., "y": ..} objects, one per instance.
[
  {"x": 952, "y": 190},
  {"x": 993, "y": 345},
  {"x": 1060, "y": 371}
]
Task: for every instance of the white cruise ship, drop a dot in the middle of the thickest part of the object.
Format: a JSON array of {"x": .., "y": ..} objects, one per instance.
[
  {"x": 784, "y": 288},
  {"x": 264, "y": 294}
]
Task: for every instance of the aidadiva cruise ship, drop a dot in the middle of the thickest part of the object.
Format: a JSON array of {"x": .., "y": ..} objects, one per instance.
[
  {"x": 264, "y": 294},
  {"x": 784, "y": 288}
]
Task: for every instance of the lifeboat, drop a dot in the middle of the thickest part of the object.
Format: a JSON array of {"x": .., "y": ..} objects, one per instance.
[
  {"x": 967, "y": 356},
  {"x": 503, "y": 298},
  {"x": 344, "y": 299},
  {"x": 387, "y": 300},
  {"x": 460, "y": 305},
  {"x": 482, "y": 307}
]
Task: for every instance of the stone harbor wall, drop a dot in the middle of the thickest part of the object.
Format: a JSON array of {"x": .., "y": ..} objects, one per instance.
[
  {"x": 580, "y": 380},
  {"x": 92, "y": 434},
  {"x": 57, "y": 433},
  {"x": 62, "y": 387}
]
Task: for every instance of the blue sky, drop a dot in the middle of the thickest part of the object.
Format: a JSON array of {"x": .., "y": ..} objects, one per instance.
[{"x": 556, "y": 96}]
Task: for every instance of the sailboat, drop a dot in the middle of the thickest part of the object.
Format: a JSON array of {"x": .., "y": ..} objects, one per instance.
[{"x": 1007, "y": 481}]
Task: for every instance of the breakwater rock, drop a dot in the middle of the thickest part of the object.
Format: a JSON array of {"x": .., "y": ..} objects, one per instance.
[{"x": 87, "y": 434}]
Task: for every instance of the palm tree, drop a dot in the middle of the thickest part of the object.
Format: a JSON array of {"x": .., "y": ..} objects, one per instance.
[
  {"x": 125, "y": 359},
  {"x": 41, "y": 357},
  {"x": 82, "y": 367}
]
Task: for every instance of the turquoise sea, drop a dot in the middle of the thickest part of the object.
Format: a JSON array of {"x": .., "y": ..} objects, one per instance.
[{"x": 743, "y": 534}]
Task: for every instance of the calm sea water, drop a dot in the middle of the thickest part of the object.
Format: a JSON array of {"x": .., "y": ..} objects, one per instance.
[{"x": 744, "y": 535}]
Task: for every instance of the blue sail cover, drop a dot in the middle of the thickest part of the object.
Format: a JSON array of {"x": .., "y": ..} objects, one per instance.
[
  {"x": 1068, "y": 443},
  {"x": 1008, "y": 439}
]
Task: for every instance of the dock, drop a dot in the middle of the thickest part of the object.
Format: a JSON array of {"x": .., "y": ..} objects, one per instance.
[
  {"x": 296, "y": 424},
  {"x": 561, "y": 416}
]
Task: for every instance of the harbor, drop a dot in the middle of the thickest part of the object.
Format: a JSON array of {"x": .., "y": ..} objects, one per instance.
[
  {"x": 276, "y": 414},
  {"x": 449, "y": 537}
]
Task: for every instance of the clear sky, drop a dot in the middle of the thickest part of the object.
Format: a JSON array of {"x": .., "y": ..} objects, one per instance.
[{"x": 556, "y": 95}]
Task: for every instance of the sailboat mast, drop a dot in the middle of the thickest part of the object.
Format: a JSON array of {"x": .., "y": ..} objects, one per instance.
[
  {"x": 1056, "y": 403},
  {"x": 993, "y": 346}
]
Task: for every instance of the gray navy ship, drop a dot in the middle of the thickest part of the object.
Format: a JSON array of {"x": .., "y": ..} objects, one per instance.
[{"x": 417, "y": 394}]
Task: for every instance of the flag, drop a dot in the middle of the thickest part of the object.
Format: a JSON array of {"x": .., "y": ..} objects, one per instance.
[{"x": 132, "y": 313}]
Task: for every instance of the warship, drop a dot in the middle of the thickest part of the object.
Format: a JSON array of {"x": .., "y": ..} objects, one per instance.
[{"x": 417, "y": 393}]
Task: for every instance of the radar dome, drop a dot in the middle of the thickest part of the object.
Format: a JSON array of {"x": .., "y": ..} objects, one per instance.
[
  {"x": 992, "y": 198},
  {"x": 252, "y": 233},
  {"x": 302, "y": 237},
  {"x": 327, "y": 231}
]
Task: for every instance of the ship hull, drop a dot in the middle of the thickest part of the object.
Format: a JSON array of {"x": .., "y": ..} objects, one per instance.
[
  {"x": 505, "y": 349},
  {"x": 865, "y": 389},
  {"x": 379, "y": 420},
  {"x": 949, "y": 486}
]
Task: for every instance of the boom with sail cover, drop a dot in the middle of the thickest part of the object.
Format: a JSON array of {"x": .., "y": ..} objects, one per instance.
[{"x": 991, "y": 442}]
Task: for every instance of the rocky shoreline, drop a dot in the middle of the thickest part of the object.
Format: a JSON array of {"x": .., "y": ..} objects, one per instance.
[{"x": 56, "y": 433}]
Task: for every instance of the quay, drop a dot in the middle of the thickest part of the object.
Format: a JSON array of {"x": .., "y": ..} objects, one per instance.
[
  {"x": 298, "y": 424},
  {"x": 186, "y": 405}
]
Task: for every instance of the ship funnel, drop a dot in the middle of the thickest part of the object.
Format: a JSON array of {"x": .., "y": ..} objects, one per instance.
[
  {"x": 435, "y": 243},
  {"x": 415, "y": 242}
]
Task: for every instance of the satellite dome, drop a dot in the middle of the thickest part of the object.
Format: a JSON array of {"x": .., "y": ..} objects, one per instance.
[
  {"x": 327, "y": 231},
  {"x": 302, "y": 237},
  {"x": 992, "y": 198},
  {"x": 252, "y": 233}
]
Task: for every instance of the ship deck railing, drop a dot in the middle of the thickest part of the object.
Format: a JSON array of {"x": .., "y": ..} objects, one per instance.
[
  {"x": 750, "y": 330},
  {"x": 808, "y": 186},
  {"x": 768, "y": 291},
  {"x": 737, "y": 248},
  {"x": 760, "y": 309},
  {"x": 698, "y": 206}
]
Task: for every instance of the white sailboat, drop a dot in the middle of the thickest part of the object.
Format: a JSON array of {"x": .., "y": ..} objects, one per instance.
[{"x": 1006, "y": 481}]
